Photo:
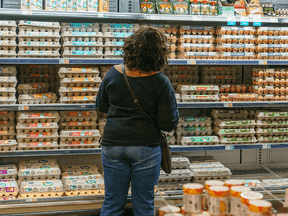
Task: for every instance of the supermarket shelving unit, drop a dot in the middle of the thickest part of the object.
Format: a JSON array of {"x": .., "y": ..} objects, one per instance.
[{"x": 256, "y": 154}]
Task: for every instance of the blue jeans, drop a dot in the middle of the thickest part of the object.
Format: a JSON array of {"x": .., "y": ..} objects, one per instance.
[{"x": 139, "y": 165}]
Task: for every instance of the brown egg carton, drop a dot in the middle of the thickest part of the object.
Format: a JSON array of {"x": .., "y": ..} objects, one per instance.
[
  {"x": 271, "y": 131},
  {"x": 45, "y": 98},
  {"x": 181, "y": 70},
  {"x": 37, "y": 117},
  {"x": 41, "y": 195},
  {"x": 227, "y": 124},
  {"x": 35, "y": 79},
  {"x": 81, "y": 82},
  {"x": 78, "y": 125},
  {"x": 235, "y": 30},
  {"x": 8, "y": 188},
  {"x": 77, "y": 99},
  {"x": 40, "y": 69},
  {"x": 37, "y": 137},
  {"x": 246, "y": 132},
  {"x": 238, "y": 140},
  {"x": 84, "y": 192},
  {"x": 33, "y": 88},
  {"x": 230, "y": 114},
  {"x": 271, "y": 115},
  {"x": 240, "y": 39},
  {"x": 199, "y": 140},
  {"x": 194, "y": 131},
  {"x": 37, "y": 145},
  {"x": 37, "y": 127},
  {"x": 78, "y": 72},
  {"x": 78, "y": 144},
  {"x": 80, "y": 167},
  {"x": 8, "y": 126},
  {"x": 112, "y": 56},
  {"x": 271, "y": 139},
  {"x": 7, "y": 116},
  {"x": 271, "y": 123},
  {"x": 9, "y": 81}
]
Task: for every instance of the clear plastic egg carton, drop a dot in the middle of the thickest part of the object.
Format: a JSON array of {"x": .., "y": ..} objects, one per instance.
[
  {"x": 85, "y": 52},
  {"x": 272, "y": 39},
  {"x": 194, "y": 122},
  {"x": 271, "y": 131},
  {"x": 198, "y": 55},
  {"x": 197, "y": 30},
  {"x": 175, "y": 175},
  {"x": 199, "y": 90},
  {"x": 81, "y": 82},
  {"x": 78, "y": 125},
  {"x": 273, "y": 56},
  {"x": 238, "y": 140},
  {"x": 180, "y": 163},
  {"x": 193, "y": 47},
  {"x": 232, "y": 132},
  {"x": 77, "y": 91},
  {"x": 80, "y": 135},
  {"x": 79, "y": 144},
  {"x": 8, "y": 187},
  {"x": 211, "y": 174},
  {"x": 79, "y": 187},
  {"x": 199, "y": 140},
  {"x": 90, "y": 115},
  {"x": 24, "y": 23},
  {"x": 236, "y": 48},
  {"x": 111, "y": 42},
  {"x": 225, "y": 124},
  {"x": 37, "y": 127},
  {"x": 272, "y": 31},
  {"x": 34, "y": 44},
  {"x": 35, "y": 32},
  {"x": 272, "y": 139},
  {"x": 8, "y": 82},
  {"x": 37, "y": 145},
  {"x": 113, "y": 27},
  {"x": 230, "y": 114},
  {"x": 240, "y": 39},
  {"x": 270, "y": 115},
  {"x": 7, "y": 145},
  {"x": 8, "y": 171},
  {"x": 34, "y": 172},
  {"x": 38, "y": 117},
  {"x": 194, "y": 131},
  {"x": 45, "y": 98},
  {"x": 219, "y": 79},
  {"x": 37, "y": 137},
  {"x": 78, "y": 72},
  {"x": 40, "y": 53},
  {"x": 33, "y": 88},
  {"x": 271, "y": 123},
  {"x": 200, "y": 98},
  {"x": 265, "y": 48},
  {"x": 39, "y": 189}
]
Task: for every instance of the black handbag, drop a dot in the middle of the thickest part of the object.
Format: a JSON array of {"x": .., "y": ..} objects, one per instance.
[{"x": 166, "y": 154}]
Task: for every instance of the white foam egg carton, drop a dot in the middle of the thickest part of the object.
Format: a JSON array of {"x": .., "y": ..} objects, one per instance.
[
  {"x": 8, "y": 187},
  {"x": 272, "y": 139},
  {"x": 34, "y": 45},
  {"x": 98, "y": 42},
  {"x": 199, "y": 140},
  {"x": 24, "y": 23},
  {"x": 171, "y": 140},
  {"x": 32, "y": 172},
  {"x": 271, "y": 123},
  {"x": 262, "y": 115},
  {"x": 238, "y": 140},
  {"x": 225, "y": 124},
  {"x": 33, "y": 88},
  {"x": 8, "y": 171},
  {"x": 37, "y": 137},
  {"x": 34, "y": 32},
  {"x": 7, "y": 145},
  {"x": 41, "y": 53},
  {"x": 37, "y": 98},
  {"x": 199, "y": 90},
  {"x": 271, "y": 131},
  {"x": 194, "y": 131},
  {"x": 7, "y": 92},
  {"x": 8, "y": 23},
  {"x": 205, "y": 165},
  {"x": 8, "y": 44},
  {"x": 78, "y": 125},
  {"x": 194, "y": 122},
  {"x": 78, "y": 99},
  {"x": 180, "y": 163},
  {"x": 80, "y": 144},
  {"x": 37, "y": 127},
  {"x": 80, "y": 25},
  {"x": 84, "y": 187},
  {"x": 211, "y": 174},
  {"x": 200, "y": 98},
  {"x": 114, "y": 42},
  {"x": 78, "y": 72},
  {"x": 33, "y": 162},
  {"x": 80, "y": 135},
  {"x": 89, "y": 115},
  {"x": 85, "y": 33},
  {"x": 175, "y": 175},
  {"x": 44, "y": 188},
  {"x": 232, "y": 132},
  {"x": 37, "y": 117},
  {"x": 37, "y": 145},
  {"x": 78, "y": 91},
  {"x": 8, "y": 31},
  {"x": 81, "y": 82},
  {"x": 229, "y": 114}
]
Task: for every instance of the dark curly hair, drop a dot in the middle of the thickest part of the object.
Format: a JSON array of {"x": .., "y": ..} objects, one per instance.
[{"x": 146, "y": 50}]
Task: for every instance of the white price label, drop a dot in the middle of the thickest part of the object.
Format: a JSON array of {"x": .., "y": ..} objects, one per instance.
[
  {"x": 101, "y": 15},
  {"x": 261, "y": 62},
  {"x": 191, "y": 62},
  {"x": 266, "y": 146},
  {"x": 23, "y": 107},
  {"x": 153, "y": 17},
  {"x": 196, "y": 18},
  {"x": 228, "y": 105}
]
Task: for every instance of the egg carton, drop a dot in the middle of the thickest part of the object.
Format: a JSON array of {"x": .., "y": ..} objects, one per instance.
[
  {"x": 211, "y": 174},
  {"x": 41, "y": 54},
  {"x": 8, "y": 171},
  {"x": 171, "y": 186},
  {"x": 225, "y": 124},
  {"x": 82, "y": 177},
  {"x": 171, "y": 140},
  {"x": 218, "y": 81},
  {"x": 79, "y": 135},
  {"x": 176, "y": 77},
  {"x": 198, "y": 55},
  {"x": 200, "y": 98},
  {"x": 37, "y": 136},
  {"x": 196, "y": 39},
  {"x": 181, "y": 70},
  {"x": 34, "y": 172},
  {"x": 8, "y": 31},
  {"x": 6, "y": 126},
  {"x": 205, "y": 165},
  {"x": 37, "y": 98},
  {"x": 194, "y": 30},
  {"x": 265, "y": 48},
  {"x": 194, "y": 131},
  {"x": 119, "y": 27},
  {"x": 180, "y": 163},
  {"x": 24, "y": 23},
  {"x": 79, "y": 25},
  {"x": 272, "y": 39},
  {"x": 8, "y": 187},
  {"x": 271, "y": 131},
  {"x": 199, "y": 140},
  {"x": 236, "y": 30},
  {"x": 39, "y": 189},
  {"x": 218, "y": 73},
  {"x": 80, "y": 51},
  {"x": 79, "y": 167},
  {"x": 83, "y": 43},
  {"x": 273, "y": 56},
  {"x": 82, "y": 185},
  {"x": 271, "y": 123},
  {"x": 191, "y": 81},
  {"x": 272, "y": 31},
  {"x": 7, "y": 92},
  {"x": 89, "y": 115},
  {"x": 8, "y": 23},
  {"x": 266, "y": 115},
  {"x": 33, "y": 78},
  {"x": 33, "y": 88},
  {"x": 7, "y": 145},
  {"x": 193, "y": 47},
  {"x": 7, "y": 116},
  {"x": 271, "y": 139},
  {"x": 38, "y": 40},
  {"x": 199, "y": 90},
  {"x": 8, "y": 198},
  {"x": 175, "y": 175},
  {"x": 178, "y": 97},
  {"x": 78, "y": 72},
  {"x": 78, "y": 125},
  {"x": 275, "y": 182},
  {"x": 81, "y": 82},
  {"x": 77, "y": 99},
  {"x": 37, "y": 117},
  {"x": 8, "y": 44},
  {"x": 238, "y": 140},
  {"x": 230, "y": 114},
  {"x": 114, "y": 51},
  {"x": 32, "y": 32},
  {"x": 39, "y": 45},
  {"x": 236, "y": 48},
  {"x": 37, "y": 145},
  {"x": 114, "y": 42},
  {"x": 79, "y": 144},
  {"x": 194, "y": 122},
  {"x": 6, "y": 70},
  {"x": 232, "y": 132},
  {"x": 77, "y": 92},
  {"x": 184, "y": 80},
  {"x": 171, "y": 133},
  {"x": 37, "y": 127},
  {"x": 80, "y": 29},
  {"x": 7, "y": 54},
  {"x": 37, "y": 68},
  {"x": 38, "y": 162},
  {"x": 84, "y": 34},
  {"x": 122, "y": 34},
  {"x": 8, "y": 100},
  {"x": 240, "y": 39}
]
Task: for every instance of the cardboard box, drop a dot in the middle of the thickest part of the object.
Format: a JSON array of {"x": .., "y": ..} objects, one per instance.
[{"x": 103, "y": 5}]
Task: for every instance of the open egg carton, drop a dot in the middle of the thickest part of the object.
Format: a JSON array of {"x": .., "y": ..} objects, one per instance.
[
  {"x": 8, "y": 187},
  {"x": 80, "y": 187},
  {"x": 37, "y": 117},
  {"x": 232, "y": 114},
  {"x": 199, "y": 140},
  {"x": 175, "y": 175},
  {"x": 8, "y": 171},
  {"x": 8, "y": 39},
  {"x": 43, "y": 188}
]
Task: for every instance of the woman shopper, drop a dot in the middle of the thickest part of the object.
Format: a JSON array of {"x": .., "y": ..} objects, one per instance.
[{"x": 131, "y": 149}]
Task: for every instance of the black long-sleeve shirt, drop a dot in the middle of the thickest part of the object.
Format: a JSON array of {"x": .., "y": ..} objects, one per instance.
[{"x": 125, "y": 124}]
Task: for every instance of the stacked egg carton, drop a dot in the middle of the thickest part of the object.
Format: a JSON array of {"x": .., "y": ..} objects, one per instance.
[
  {"x": 8, "y": 82},
  {"x": 81, "y": 180},
  {"x": 171, "y": 137},
  {"x": 8, "y": 39},
  {"x": 104, "y": 70},
  {"x": 182, "y": 75},
  {"x": 234, "y": 126},
  {"x": 38, "y": 84},
  {"x": 101, "y": 123},
  {"x": 272, "y": 126},
  {"x": 199, "y": 93},
  {"x": 37, "y": 130},
  {"x": 196, "y": 42},
  {"x": 272, "y": 43},
  {"x": 7, "y": 132},
  {"x": 175, "y": 180},
  {"x": 236, "y": 42},
  {"x": 39, "y": 178},
  {"x": 39, "y": 39},
  {"x": 82, "y": 40},
  {"x": 235, "y": 93},
  {"x": 8, "y": 184},
  {"x": 79, "y": 85},
  {"x": 78, "y": 129},
  {"x": 115, "y": 35}
]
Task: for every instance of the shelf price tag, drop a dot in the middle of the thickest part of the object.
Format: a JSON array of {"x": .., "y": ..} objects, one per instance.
[
  {"x": 103, "y": 15},
  {"x": 231, "y": 21},
  {"x": 31, "y": 200},
  {"x": 229, "y": 147},
  {"x": 261, "y": 62},
  {"x": 228, "y": 105},
  {"x": 26, "y": 12},
  {"x": 266, "y": 146},
  {"x": 257, "y": 21},
  {"x": 23, "y": 107},
  {"x": 63, "y": 61},
  {"x": 244, "y": 21},
  {"x": 152, "y": 17},
  {"x": 273, "y": 20},
  {"x": 196, "y": 18},
  {"x": 191, "y": 62}
]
